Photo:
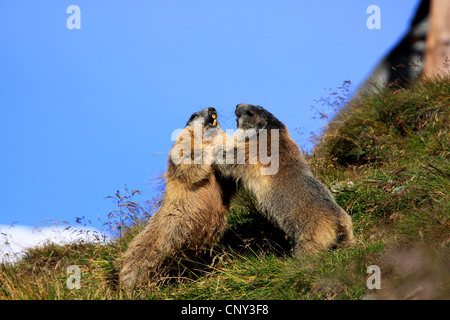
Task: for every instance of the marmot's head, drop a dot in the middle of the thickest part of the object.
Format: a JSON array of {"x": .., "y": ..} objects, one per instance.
[
  {"x": 256, "y": 117},
  {"x": 204, "y": 121},
  {"x": 202, "y": 129},
  {"x": 207, "y": 118}
]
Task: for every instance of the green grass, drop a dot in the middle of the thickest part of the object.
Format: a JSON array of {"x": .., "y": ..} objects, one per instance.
[{"x": 385, "y": 156}]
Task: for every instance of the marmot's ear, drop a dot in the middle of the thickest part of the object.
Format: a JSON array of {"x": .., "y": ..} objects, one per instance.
[{"x": 193, "y": 116}]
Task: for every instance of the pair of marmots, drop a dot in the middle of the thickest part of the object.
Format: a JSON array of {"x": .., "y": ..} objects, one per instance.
[{"x": 198, "y": 192}]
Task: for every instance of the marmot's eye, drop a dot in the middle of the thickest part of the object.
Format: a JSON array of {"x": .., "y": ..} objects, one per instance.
[
  {"x": 249, "y": 113},
  {"x": 193, "y": 117}
]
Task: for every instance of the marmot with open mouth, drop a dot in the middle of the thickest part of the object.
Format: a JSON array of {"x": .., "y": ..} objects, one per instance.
[{"x": 194, "y": 209}]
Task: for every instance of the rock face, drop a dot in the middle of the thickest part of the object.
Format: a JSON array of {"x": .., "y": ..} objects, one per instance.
[{"x": 405, "y": 61}]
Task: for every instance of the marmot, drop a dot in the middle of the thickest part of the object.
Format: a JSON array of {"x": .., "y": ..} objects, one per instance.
[
  {"x": 288, "y": 194},
  {"x": 194, "y": 209}
]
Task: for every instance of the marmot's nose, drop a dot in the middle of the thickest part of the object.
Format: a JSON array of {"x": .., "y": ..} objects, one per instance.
[{"x": 211, "y": 109}]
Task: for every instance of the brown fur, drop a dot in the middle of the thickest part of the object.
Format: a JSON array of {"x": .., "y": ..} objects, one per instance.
[
  {"x": 292, "y": 197},
  {"x": 192, "y": 215}
]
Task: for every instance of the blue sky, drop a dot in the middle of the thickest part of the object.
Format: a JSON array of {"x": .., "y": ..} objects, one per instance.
[{"x": 82, "y": 111}]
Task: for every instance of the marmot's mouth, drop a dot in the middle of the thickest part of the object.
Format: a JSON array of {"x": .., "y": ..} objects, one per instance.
[{"x": 212, "y": 119}]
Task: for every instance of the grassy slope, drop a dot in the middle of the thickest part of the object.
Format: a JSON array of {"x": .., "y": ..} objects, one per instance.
[{"x": 385, "y": 156}]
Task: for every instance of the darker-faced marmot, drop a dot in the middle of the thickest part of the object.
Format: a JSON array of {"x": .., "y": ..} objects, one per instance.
[
  {"x": 284, "y": 187},
  {"x": 193, "y": 212}
]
